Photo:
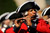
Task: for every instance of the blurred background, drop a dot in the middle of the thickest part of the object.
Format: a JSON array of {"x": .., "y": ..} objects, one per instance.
[{"x": 11, "y": 5}]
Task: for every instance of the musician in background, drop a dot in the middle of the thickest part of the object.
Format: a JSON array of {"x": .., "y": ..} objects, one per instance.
[{"x": 5, "y": 22}]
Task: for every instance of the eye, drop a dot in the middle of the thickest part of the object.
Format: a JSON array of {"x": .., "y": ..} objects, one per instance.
[
  {"x": 34, "y": 9},
  {"x": 31, "y": 10}
]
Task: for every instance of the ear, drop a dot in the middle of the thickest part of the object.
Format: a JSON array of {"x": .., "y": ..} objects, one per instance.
[{"x": 26, "y": 13}]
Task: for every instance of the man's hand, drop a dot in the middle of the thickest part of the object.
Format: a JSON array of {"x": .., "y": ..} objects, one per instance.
[
  {"x": 17, "y": 24},
  {"x": 28, "y": 20},
  {"x": 48, "y": 20}
]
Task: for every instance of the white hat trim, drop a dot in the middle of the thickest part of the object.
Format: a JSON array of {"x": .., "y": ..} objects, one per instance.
[
  {"x": 43, "y": 11},
  {"x": 4, "y": 14},
  {"x": 46, "y": 10},
  {"x": 10, "y": 14}
]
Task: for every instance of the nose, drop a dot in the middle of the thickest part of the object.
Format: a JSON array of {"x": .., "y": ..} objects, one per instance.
[{"x": 34, "y": 12}]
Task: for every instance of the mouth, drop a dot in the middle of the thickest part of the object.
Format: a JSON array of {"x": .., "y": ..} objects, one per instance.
[
  {"x": 34, "y": 16},
  {"x": 34, "y": 13}
]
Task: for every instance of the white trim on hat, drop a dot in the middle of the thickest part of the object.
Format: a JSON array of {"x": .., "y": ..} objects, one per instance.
[
  {"x": 46, "y": 10},
  {"x": 43, "y": 11},
  {"x": 23, "y": 4},
  {"x": 17, "y": 10},
  {"x": 7, "y": 17},
  {"x": 4, "y": 14}
]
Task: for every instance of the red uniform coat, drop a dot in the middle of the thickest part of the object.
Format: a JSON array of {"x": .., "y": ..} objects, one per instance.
[
  {"x": 1, "y": 31},
  {"x": 41, "y": 27},
  {"x": 23, "y": 29}
]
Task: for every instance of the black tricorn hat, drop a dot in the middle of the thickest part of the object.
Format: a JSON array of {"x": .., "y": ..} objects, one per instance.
[
  {"x": 28, "y": 5},
  {"x": 46, "y": 11},
  {"x": 14, "y": 15},
  {"x": 2, "y": 17}
]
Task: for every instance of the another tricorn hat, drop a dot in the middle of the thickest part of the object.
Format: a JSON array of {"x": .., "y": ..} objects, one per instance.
[
  {"x": 2, "y": 17},
  {"x": 14, "y": 15},
  {"x": 46, "y": 11}
]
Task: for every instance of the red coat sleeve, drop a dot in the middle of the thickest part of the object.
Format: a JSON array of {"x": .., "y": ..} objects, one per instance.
[{"x": 42, "y": 26}]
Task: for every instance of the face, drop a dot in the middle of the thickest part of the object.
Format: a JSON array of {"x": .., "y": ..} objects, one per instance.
[
  {"x": 31, "y": 12},
  {"x": 7, "y": 22},
  {"x": 48, "y": 20},
  {"x": 45, "y": 17}
]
